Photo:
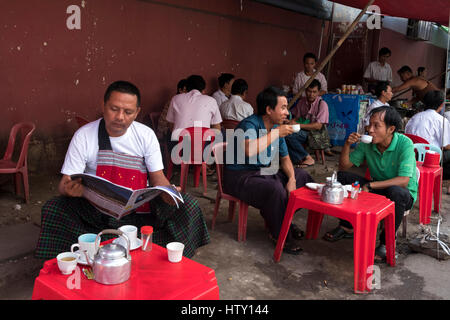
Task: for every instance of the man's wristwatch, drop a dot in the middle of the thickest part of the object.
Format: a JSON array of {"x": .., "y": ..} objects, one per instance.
[{"x": 369, "y": 187}]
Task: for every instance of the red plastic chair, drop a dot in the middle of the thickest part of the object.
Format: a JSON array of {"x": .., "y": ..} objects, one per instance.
[
  {"x": 218, "y": 150},
  {"x": 196, "y": 155},
  {"x": 416, "y": 139},
  {"x": 229, "y": 124},
  {"x": 430, "y": 183},
  {"x": 19, "y": 168},
  {"x": 81, "y": 121}
]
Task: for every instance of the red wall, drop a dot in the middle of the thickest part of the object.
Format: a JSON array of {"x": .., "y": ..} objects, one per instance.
[{"x": 51, "y": 73}]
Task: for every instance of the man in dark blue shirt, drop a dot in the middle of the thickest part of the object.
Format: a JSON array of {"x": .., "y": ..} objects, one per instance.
[{"x": 261, "y": 172}]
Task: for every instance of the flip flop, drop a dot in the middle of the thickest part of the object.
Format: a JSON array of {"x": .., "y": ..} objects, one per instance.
[
  {"x": 304, "y": 165},
  {"x": 336, "y": 234},
  {"x": 297, "y": 233}
]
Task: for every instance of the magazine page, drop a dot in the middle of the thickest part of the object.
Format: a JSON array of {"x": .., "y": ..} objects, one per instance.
[
  {"x": 104, "y": 187},
  {"x": 105, "y": 205}
]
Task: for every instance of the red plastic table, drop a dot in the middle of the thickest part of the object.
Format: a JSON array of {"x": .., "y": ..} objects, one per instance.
[
  {"x": 364, "y": 213},
  {"x": 430, "y": 183},
  {"x": 152, "y": 277}
]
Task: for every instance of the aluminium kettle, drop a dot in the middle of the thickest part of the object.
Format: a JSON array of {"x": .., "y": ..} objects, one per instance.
[
  {"x": 112, "y": 262},
  {"x": 333, "y": 192}
]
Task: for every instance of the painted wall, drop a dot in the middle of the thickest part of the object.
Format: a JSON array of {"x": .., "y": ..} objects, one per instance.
[
  {"x": 414, "y": 54},
  {"x": 51, "y": 73}
]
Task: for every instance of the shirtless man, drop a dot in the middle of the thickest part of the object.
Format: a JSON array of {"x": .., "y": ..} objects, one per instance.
[{"x": 419, "y": 85}]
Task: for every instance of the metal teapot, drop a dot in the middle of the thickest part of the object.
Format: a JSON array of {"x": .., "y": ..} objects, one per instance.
[
  {"x": 112, "y": 262},
  {"x": 333, "y": 192}
]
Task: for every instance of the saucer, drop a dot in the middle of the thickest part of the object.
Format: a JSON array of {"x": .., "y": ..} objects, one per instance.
[
  {"x": 123, "y": 242},
  {"x": 314, "y": 186},
  {"x": 81, "y": 259}
]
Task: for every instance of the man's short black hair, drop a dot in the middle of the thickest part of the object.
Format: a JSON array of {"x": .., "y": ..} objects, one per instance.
[
  {"x": 195, "y": 82},
  {"x": 123, "y": 87},
  {"x": 181, "y": 84},
  {"x": 315, "y": 83},
  {"x": 384, "y": 51},
  {"x": 224, "y": 78},
  {"x": 309, "y": 55},
  {"x": 380, "y": 87},
  {"x": 404, "y": 69},
  {"x": 391, "y": 117},
  {"x": 268, "y": 97},
  {"x": 239, "y": 86},
  {"x": 433, "y": 99}
]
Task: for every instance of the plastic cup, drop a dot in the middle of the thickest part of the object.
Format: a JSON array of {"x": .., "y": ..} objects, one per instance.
[{"x": 175, "y": 251}]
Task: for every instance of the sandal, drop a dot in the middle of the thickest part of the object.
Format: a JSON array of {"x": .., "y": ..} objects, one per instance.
[
  {"x": 290, "y": 246},
  {"x": 380, "y": 254},
  {"x": 336, "y": 234},
  {"x": 297, "y": 233}
]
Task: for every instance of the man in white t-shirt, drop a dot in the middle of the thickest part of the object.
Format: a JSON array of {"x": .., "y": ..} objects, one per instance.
[
  {"x": 236, "y": 108},
  {"x": 125, "y": 152},
  {"x": 225, "y": 83},
  {"x": 383, "y": 91},
  {"x": 193, "y": 107},
  {"x": 433, "y": 127},
  {"x": 309, "y": 63},
  {"x": 378, "y": 70}
]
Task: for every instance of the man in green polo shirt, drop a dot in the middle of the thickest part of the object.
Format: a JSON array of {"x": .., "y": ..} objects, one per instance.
[{"x": 392, "y": 165}]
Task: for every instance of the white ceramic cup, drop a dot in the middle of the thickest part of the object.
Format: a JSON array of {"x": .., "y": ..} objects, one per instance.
[
  {"x": 86, "y": 242},
  {"x": 175, "y": 251},
  {"x": 366, "y": 138},
  {"x": 131, "y": 232},
  {"x": 296, "y": 127},
  {"x": 67, "y": 262}
]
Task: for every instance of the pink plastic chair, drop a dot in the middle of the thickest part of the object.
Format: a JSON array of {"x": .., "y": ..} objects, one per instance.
[
  {"x": 196, "y": 155},
  {"x": 218, "y": 150},
  {"x": 19, "y": 168}
]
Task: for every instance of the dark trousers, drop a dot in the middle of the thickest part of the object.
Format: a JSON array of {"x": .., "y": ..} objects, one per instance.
[
  {"x": 295, "y": 143},
  {"x": 400, "y": 196},
  {"x": 264, "y": 192},
  {"x": 446, "y": 164}
]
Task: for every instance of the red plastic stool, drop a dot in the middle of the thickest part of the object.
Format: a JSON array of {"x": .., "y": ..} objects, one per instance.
[
  {"x": 430, "y": 185},
  {"x": 364, "y": 214}
]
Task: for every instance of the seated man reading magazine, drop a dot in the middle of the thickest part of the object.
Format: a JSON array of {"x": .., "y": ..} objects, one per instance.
[{"x": 125, "y": 152}]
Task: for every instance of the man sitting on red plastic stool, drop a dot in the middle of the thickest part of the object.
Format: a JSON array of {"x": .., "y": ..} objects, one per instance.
[{"x": 392, "y": 164}]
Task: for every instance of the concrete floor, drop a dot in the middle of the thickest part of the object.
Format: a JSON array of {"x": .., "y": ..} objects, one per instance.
[{"x": 246, "y": 270}]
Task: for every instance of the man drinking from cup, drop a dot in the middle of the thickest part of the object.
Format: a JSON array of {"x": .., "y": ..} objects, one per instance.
[
  {"x": 257, "y": 179},
  {"x": 127, "y": 153},
  {"x": 392, "y": 165},
  {"x": 312, "y": 114}
]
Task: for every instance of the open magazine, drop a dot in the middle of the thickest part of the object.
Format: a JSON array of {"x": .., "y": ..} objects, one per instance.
[{"x": 117, "y": 201}]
